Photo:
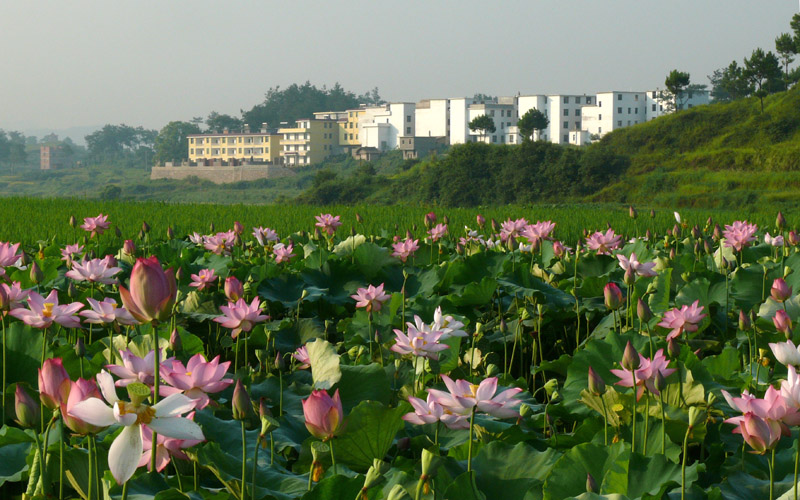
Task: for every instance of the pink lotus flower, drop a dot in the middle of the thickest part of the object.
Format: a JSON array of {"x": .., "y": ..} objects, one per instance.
[
  {"x": 135, "y": 369},
  {"x": 782, "y": 322},
  {"x": 447, "y": 325},
  {"x": 53, "y": 383},
  {"x": 71, "y": 252},
  {"x": 328, "y": 223},
  {"x": 197, "y": 238},
  {"x": 786, "y": 353},
  {"x": 8, "y": 256},
  {"x": 126, "y": 450},
  {"x": 301, "y": 356},
  {"x": 166, "y": 447},
  {"x": 371, "y": 298},
  {"x": 512, "y": 228},
  {"x": 203, "y": 279},
  {"x": 775, "y": 241},
  {"x": 324, "y": 415},
  {"x": 790, "y": 388},
  {"x": 129, "y": 247},
  {"x": 152, "y": 291},
  {"x": 640, "y": 268},
  {"x": 96, "y": 225},
  {"x": 44, "y": 312},
  {"x": 107, "y": 312},
  {"x": 197, "y": 379},
  {"x": 739, "y": 234},
  {"x": 283, "y": 253},
  {"x": 682, "y": 320},
  {"x": 645, "y": 373},
  {"x": 12, "y": 296},
  {"x": 265, "y": 235},
  {"x": 220, "y": 243},
  {"x": 780, "y": 291},
  {"x": 764, "y": 420},
  {"x": 438, "y": 231},
  {"x": 80, "y": 390},
  {"x": 463, "y": 396},
  {"x": 418, "y": 343},
  {"x": 241, "y": 317},
  {"x": 95, "y": 271},
  {"x": 233, "y": 289},
  {"x": 604, "y": 243},
  {"x": 405, "y": 249},
  {"x": 559, "y": 249},
  {"x": 612, "y": 296},
  {"x": 535, "y": 233}
]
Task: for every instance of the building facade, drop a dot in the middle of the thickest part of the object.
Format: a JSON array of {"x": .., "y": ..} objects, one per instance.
[
  {"x": 235, "y": 147},
  {"x": 310, "y": 141}
]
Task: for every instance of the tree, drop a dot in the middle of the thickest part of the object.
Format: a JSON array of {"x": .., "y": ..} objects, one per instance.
[
  {"x": 120, "y": 144},
  {"x": 763, "y": 70},
  {"x": 483, "y": 124},
  {"x": 217, "y": 122},
  {"x": 728, "y": 84},
  {"x": 786, "y": 48},
  {"x": 171, "y": 142},
  {"x": 532, "y": 120},
  {"x": 481, "y": 97},
  {"x": 676, "y": 82}
]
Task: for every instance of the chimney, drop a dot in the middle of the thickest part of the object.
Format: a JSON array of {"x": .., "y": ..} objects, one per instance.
[
  {"x": 264, "y": 128},
  {"x": 246, "y": 128},
  {"x": 225, "y": 130}
]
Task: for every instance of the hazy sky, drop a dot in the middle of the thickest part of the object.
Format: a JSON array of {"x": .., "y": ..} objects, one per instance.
[{"x": 85, "y": 63}]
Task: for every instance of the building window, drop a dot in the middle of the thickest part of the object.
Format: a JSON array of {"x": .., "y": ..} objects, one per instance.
[
  {"x": 566, "y": 137},
  {"x": 588, "y": 100},
  {"x": 566, "y": 112},
  {"x": 599, "y": 131},
  {"x": 510, "y": 138},
  {"x": 654, "y": 107},
  {"x": 491, "y": 113},
  {"x": 619, "y": 123},
  {"x": 502, "y": 138},
  {"x": 408, "y": 118},
  {"x": 408, "y": 130},
  {"x": 636, "y": 97},
  {"x": 577, "y": 125},
  {"x": 599, "y": 117},
  {"x": 494, "y": 138},
  {"x": 629, "y": 110},
  {"x": 566, "y": 124},
  {"x": 191, "y": 151},
  {"x": 566, "y": 100},
  {"x": 629, "y": 123},
  {"x": 578, "y": 112},
  {"x": 619, "y": 97},
  {"x": 619, "y": 110}
]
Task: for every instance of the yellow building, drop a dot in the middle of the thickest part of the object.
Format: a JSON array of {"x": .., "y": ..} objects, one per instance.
[
  {"x": 311, "y": 140},
  {"x": 349, "y": 131},
  {"x": 246, "y": 146}
]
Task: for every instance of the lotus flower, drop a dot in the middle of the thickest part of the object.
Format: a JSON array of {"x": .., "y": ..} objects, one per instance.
[
  {"x": 324, "y": 415},
  {"x": 152, "y": 291},
  {"x": 437, "y": 232},
  {"x": 786, "y": 353},
  {"x": 163, "y": 417},
  {"x": 203, "y": 279},
  {"x": 739, "y": 234},
  {"x": 604, "y": 243},
  {"x": 790, "y": 388},
  {"x": 537, "y": 232},
  {"x": 95, "y": 271},
  {"x": 644, "y": 269},
  {"x": 107, "y": 312},
  {"x": 80, "y": 390},
  {"x": 96, "y": 225},
  {"x": 135, "y": 369},
  {"x": 8, "y": 256},
  {"x": 682, "y": 320},
  {"x": 220, "y": 243},
  {"x": 12, "y": 296},
  {"x": 241, "y": 317},
  {"x": 197, "y": 379},
  {"x": 428, "y": 412},
  {"x": 775, "y": 241},
  {"x": 764, "y": 420},
  {"x": 328, "y": 223},
  {"x": 512, "y": 228},
  {"x": 166, "y": 447},
  {"x": 265, "y": 235},
  {"x": 418, "y": 343},
  {"x": 44, "y": 312},
  {"x": 371, "y": 298},
  {"x": 645, "y": 373},
  {"x": 54, "y": 383},
  {"x": 301, "y": 356},
  {"x": 464, "y": 395},
  {"x": 283, "y": 253},
  {"x": 405, "y": 249}
]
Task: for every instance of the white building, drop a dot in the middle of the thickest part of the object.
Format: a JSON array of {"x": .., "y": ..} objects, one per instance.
[
  {"x": 502, "y": 111},
  {"x": 432, "y": 117},
  {"x": 614, "y": 110},
  {"x": 381, "y": 126},
  {"x": 566, "y": 115},
  {"x": 660, "y": 102}
]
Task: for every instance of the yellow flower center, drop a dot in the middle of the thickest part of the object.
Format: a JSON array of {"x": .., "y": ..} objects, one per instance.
[
  {"x": 144, "y": 414},
  {"x": 474, "y": 389},
  {"x": 188, "y": 374},
  {"x": 48, "y": 309}
]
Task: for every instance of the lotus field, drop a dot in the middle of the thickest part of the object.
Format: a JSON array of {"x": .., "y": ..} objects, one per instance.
[{"x": 495, "y": 361}]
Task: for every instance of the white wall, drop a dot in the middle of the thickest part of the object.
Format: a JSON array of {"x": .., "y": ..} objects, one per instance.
[{"x": 431, "y": 121}]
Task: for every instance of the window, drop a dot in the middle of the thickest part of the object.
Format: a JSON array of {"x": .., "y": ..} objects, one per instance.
[
  {"x": 599, "y": 117},
  {"x": 629, "y": 110},
  {"x": 191, "y": 151},
  {"x": 578, "y": 112},
  {"x": 690, "y": 105},
  {"x": 577, "y": 125},
  {"x": 654, "y": 94},
  {"x": 510, "y": 138},
  {"x": 629, "y": 122},
  {"x": 599, "y": 131},
  {"x": 408, "y": 118},
  {"x": 619, "y": 97},
  {"x": 491, "y": 113},
  {"x": 566, "y": 112},
  {"x": 566, "y": 100},
  {"x": 636, "y": 97},
  {"x": 619, "y": 123},
  {"x": 619, "y": 110},
  {"x": 502, "y": 138},
  {"x": 588, "y": 100},
  {"x": 494, "y": 138},
  {"x": 408, "y": 130},
  {"x": 566, "y": 124},
  {"x": 566, "y": 137},
  {"x": 654, "y": 107},
  {"x": 661, "y": 107}
]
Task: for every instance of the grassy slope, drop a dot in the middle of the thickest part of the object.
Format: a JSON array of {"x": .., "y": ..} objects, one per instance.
[{"x": 718, "y": 155}]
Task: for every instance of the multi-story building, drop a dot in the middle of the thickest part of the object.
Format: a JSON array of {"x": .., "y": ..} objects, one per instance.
[
  {"x": 526, "y": 103},
  {"x": 615, "y": 110},
  {"x": 310, "y": 140},
  {"x": 382, "y": 126},
  {"x": 566, "y": 114},
  {"x": 235, "y": 147},
  {"x": 349, "y": 131},
  {"x": 51, "y": 157},
  {"x": 432, "y": 117},
  {"x": 463, "y": 110}
]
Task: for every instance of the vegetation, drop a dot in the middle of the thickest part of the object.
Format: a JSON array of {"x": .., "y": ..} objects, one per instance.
[{"x": 532, "y": 120}]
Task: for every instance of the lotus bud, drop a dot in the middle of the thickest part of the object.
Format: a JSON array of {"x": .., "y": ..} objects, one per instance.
[
  {"x": 725, "y": 264},
  {"x": 242, "y": 406},
  {"x": 80, "y": 347},
  {"x": 36, "y": 273},
  {"x": 175, "y": 342},
  {"x": 672, "y": 253},
  {"x": 279, "y": 363},
  {"x": 783, "y": 323},
  {"x": 780, "y": 221},
  {"x": 145, "y": 227},
  {"x": 495, "y": 225},
  {"x": 643, "y": 311},
  {"x": 403, "y": 443},
  {"x": 26, "y": 407},
  {"x": 652, "y": 213},
  {"x": 673, "y": 348},
  {"x": 696, "y": 416},
  {"x": 179, "y": 274},
  {"x": 170, "y": 233},
  {"x": 480, "y": 220},
  {"x": 140, "y": 235},
  {"x": 117, "y": 232},
  {"x": 717, "y": 234},
  {"x": 359, "y": 219},
  {"x": 5, "y": 303},
  {"x": 697, "y": 248},
  {"x": 597, "y": 385},
  {"x": 660, "y": 382},
  {"x": 707, "y": 247},
  {"x": 591, "y": 484},
  {"x": 632, "y": 212},
  {"x": 211, "y": 228},
  {"x": 780, "y": 291},
  {"x": 73, "y": 222},
  {"x": 238, "y": 228},
  {"x": 612, "y": 295},
  {"x": 630, "y": 277},
  {"x": 630, "y": 358},
  {"x": 233, "y": 288},
  {"x": 397, "y": 493},
  {"x": 429, "y": 219},
  {"x": 794, "y": 238},
  {"x": 152, "y": 293},
  {"x": 317, "y": 234},
  {"x": 695, "y": 232},
  {"x": 676, "y": 230},
  {"x": 72, "y": 290},
  {"x": 459, "y": 248},
  {"x": 744, "y": 321},
  {"x": 129, "y": 247}
]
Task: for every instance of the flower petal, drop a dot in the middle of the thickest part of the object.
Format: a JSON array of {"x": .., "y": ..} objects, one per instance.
[
  {"x": 95, "y": 412},
  {"x": 176, "y": 427},
  {"x": 173, "y": 405},
  {"x": 125, "y": 453}
]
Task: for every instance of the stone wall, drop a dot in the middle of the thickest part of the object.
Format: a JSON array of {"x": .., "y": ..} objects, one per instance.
[{"x": 222, "y": 175}]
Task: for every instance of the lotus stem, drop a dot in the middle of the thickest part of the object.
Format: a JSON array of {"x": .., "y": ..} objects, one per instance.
[
  {"x": 90, "y": 478},
  {"x": 333, "y": 457},
  {"x": 772, "y": 475},
  {"x": 646, "y": 419},
  {"x": 471, "y": 432},
  {"x": 3, "y": 387},
  {"x": 663, "y": 428},
  {"x": 255, "y": 464},
  {"x": 61, "y": 459},
  {"x": 796, "y": 463},
  {"x": 156, "y": 377},
  {"x": 125, "y": 491},
  {"x": 177, "y": 475},
  {"x": 244, "y": 464},
  {"x": 605, "y": 420},
  {"x": 633, "y": 416},
  {"x": 683, "y": 463}
]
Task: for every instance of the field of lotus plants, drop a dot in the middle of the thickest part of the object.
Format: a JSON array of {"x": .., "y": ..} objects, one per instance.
[{"x": 496, "y": 361}]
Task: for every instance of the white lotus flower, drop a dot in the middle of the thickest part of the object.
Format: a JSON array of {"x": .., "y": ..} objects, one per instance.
[
  {"x": 786, "y": 353},
  {"x": 677, "y": 217},
  {"x": 163, "y": 418}
]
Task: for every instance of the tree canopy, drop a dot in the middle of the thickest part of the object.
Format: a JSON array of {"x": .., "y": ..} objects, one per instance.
[
  {"x": 171, "y": 142},
  {"x": 482, "y": 124},
  {"x": 533, "y": 119}
]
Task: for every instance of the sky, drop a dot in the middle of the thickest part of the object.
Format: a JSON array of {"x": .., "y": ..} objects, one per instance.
[{"x": 81, "y": 64}]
